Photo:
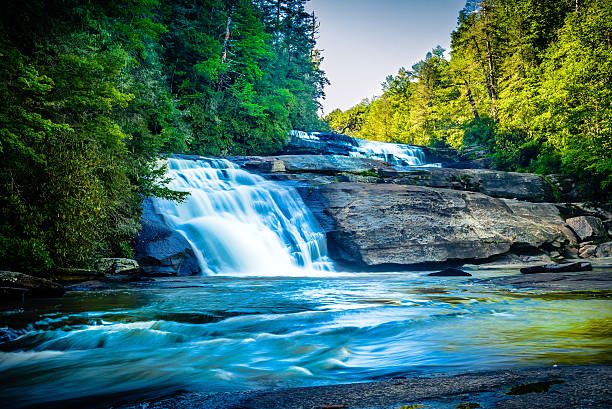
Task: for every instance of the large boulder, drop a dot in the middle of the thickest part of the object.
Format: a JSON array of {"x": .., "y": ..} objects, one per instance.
[
  {"x": 586, "y": 227},
  {"x": 374, "y": 224},
  {"x": 161, "y": 250},
  {"x": 11, "y": 281}
]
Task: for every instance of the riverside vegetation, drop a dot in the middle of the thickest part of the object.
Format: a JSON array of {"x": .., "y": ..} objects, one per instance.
[
  {"x": 528, "y": 80},
  {"x": 93, "y": 91}
]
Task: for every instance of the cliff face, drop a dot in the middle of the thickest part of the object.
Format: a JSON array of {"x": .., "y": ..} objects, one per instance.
[
  {"x": 377, "y": 224},
  {"x": 374, "y": 213}
]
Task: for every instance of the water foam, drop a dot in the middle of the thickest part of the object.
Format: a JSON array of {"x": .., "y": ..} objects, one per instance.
[{"x": 239, "y": 223}]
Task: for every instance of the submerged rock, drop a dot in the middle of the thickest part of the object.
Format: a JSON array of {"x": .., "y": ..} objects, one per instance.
[
  {"x": 450, "y": 272},
  {"x": 17, "y": 283},
  {"x": 558, "y": 268}
]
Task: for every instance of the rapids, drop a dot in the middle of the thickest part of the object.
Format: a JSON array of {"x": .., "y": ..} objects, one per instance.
[{"x": 214, "y": 333}]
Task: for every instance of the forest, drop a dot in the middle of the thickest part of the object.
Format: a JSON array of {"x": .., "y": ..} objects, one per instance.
[
  {"x": 95, "y": 91},
  {"x": 528, "y": 80}
]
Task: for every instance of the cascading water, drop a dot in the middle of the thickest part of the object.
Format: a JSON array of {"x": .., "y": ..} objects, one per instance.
[
  {"x": 240, "y": 223},
  {"x": 394, "y": 153}
]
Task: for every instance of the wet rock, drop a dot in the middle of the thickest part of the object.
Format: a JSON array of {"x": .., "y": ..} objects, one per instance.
[
  {"x": 586, "y": 227},
  {"x": 162, "y": 251},
  {"x": 450, "y": 272},
  {"x": 558, "y": 268},
  {"x": 37, "y": 287},
  {"x": 91, "y": 285},
  {"x": 117, "y": 266},
  {"x": 375, "y": 224},
  {"x": 604, "y": 250},
  {"x": 66, "y": 275}
]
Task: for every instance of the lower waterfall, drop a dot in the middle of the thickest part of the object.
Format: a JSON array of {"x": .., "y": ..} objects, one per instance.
[{"x": 239, "y": 223}]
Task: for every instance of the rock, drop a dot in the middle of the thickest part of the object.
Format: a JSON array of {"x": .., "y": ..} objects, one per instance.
[
  {"x": 604, "y": 250},
  {"x": 586, "y": 227},
  {"x": 569, "y": 235},
  {"x": 117, "y": 266},
  {"x": 509, "y": 185},
  {"x": 317, "y": 164},
  {"x": 161, "y": 250},
  {"x": 484, "y": 163},
  {"x": 587, "y": 251},
  {"x": 74, "y": 275},
  {"x": 450, "y": 272},
  {"x": 374, "y": 224},
  {"x": 558, "y": 268},
  {"x": 34, "y": 286},
  {"x": 91, "y": 285}
]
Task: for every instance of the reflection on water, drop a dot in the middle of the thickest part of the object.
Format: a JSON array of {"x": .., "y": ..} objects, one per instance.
[{"x": 223, "y": 333}]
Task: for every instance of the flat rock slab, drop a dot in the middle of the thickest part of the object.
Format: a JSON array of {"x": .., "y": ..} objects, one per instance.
[
  {"x": 596, "y": 280},
  {"x": 573, "y": 387},
  {"x": 558, "y": 268}
]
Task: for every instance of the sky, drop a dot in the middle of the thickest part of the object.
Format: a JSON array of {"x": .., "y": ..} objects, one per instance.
[{"x": 364, "y": 41}]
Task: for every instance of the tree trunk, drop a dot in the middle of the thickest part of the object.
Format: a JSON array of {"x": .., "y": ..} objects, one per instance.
[
  {"x": 471, "y": 99},
  {"x": 485, "y": 74},
  {"x": 493, "y": 92},
  {"x": 228, "y": 28}
]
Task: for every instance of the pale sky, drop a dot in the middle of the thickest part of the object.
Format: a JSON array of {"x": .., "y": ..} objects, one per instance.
[{"x": 366, "y": 40}]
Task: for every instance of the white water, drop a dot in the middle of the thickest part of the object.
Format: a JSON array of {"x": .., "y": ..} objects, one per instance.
[
  {"x": 239, "y": 223},
  {"x": 394, "y": 153}
]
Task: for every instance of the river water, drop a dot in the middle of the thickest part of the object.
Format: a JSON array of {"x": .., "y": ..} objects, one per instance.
[
  {"x": 227, "y": 333},
  {"x": 272, "y": 311}
]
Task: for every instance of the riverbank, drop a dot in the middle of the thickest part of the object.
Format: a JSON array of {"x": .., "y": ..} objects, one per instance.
[{"x": 546, "y": 387}]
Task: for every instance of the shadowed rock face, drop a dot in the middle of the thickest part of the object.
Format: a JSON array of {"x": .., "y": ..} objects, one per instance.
[
  {"x": 392, "y": 224},
  {"x": 161, "y": 250}
]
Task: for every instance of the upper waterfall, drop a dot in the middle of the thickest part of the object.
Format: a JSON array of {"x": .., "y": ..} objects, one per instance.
[
  {"x": 332, "y": 143},
  {"x": 241, "y": 223}
]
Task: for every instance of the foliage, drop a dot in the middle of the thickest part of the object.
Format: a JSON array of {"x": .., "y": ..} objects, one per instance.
[
  {"x": 529, "y": 80},
  {"x": 93, "y": 92}
]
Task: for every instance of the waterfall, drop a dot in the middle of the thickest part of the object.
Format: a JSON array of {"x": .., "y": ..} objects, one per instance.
[
  {"x": 331, "y": 143},
  {"x": 240, "y": 223},
  {"x": 394, "y": 153}
]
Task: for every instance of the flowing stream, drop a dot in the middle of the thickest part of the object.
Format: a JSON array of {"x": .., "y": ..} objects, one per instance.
[{"x": 272, "y": 312}]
